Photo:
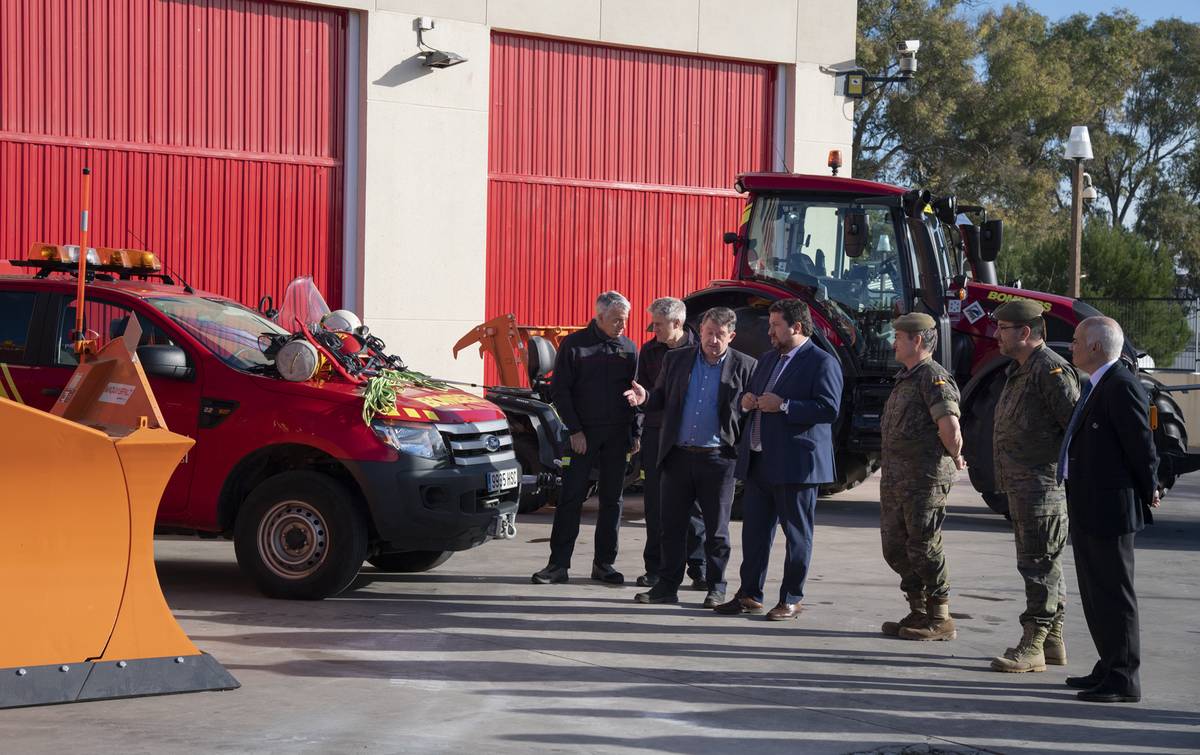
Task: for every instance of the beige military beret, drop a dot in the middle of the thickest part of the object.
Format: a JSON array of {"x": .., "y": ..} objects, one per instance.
[
  {"x": 1018, "y": 310},
  {"x": 913, "y": 322}
]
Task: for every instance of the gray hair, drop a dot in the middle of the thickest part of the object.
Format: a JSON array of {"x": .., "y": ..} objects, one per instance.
[
  {"x": 669, "y": 307},
  {"x": 610, "y": 299},
  {"x": 1105, "y": 333},
  {"x": 722, "y": 317},
  {"x": 928, "y": 339}
]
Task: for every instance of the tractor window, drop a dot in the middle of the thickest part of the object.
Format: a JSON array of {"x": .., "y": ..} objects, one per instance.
[
  {"x": 800, "y": 242},
  {"x": 16, "y": 312}
]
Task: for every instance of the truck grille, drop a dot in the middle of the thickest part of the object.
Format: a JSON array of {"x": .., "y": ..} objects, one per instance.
[{"x": 479, "y": 442}]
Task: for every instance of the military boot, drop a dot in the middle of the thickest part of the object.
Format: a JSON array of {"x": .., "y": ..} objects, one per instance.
[
  {"x": 1028, "y": 655},
  {"x": 1055, "y": 647},
  {"x": 916, "y": 615},
  {"x": 937, "y": 624}
]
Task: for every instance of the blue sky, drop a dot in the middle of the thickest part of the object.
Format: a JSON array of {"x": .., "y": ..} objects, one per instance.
[{"x": 1147, "y": 10}]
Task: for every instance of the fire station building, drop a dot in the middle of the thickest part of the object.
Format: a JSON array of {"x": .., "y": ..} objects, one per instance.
[{"x": 431, "y": 163}]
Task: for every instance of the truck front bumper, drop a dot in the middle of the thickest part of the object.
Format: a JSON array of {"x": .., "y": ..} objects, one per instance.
[{"x": 420, "y": 505}]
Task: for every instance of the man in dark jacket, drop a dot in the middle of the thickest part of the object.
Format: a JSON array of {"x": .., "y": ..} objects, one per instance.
[
  {"x": 699, "y": 393},
  {"x": 1109, "y": 463},
  {"x": 667, "y": 321},
  {"x": 593, "y": 370}
]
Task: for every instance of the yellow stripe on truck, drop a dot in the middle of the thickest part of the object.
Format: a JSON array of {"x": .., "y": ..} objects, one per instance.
[{"x": 12, "y": 384}]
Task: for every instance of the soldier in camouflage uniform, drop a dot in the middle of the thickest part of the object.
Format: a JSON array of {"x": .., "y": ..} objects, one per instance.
[
  {"x": 1031, "y": 417},
  {"x": 922, "y": 449}
]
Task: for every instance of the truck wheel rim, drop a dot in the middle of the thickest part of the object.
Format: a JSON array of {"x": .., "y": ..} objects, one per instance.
[{"x": 293, "y": 539}]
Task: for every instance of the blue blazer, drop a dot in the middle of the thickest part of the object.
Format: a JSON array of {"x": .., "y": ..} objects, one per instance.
[{"x": 797, "y": 446}]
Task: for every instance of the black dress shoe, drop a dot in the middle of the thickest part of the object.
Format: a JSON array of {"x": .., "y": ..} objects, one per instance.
[
  {"x": 660, "y": 593},
  {"x": 607, "y": 574},
  {"x": 551, "y": 575},
  {"x": 699, "y": 583},
  {"x": 647, "y": 580},
  {"x": 1099, "y": 695},
  {"x": 1083, "y": 682}
]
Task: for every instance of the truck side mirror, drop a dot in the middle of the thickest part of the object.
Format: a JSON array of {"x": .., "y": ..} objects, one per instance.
[
  {"x": 856, "y": 229},
  {"x": 730, "y": 237},
  {"x": 164, "y": 360},
  {"x": 991, "y": 238}
]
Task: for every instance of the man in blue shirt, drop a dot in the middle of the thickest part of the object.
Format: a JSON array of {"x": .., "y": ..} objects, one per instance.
[{"x": 698, "y": 391}]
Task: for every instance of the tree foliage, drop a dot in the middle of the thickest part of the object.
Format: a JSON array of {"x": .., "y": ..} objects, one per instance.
[{"x": 992, "y": 106}]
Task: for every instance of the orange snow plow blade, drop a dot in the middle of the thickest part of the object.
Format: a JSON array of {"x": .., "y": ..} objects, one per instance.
[{"x": 85, "y": 618}]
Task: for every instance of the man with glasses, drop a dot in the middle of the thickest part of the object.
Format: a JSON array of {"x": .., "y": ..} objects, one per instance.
[{"x": 1031, "y": 418}]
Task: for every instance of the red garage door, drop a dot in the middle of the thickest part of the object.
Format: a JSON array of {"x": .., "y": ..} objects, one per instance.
[
  {"x": 214, "y": 131},
  {"x": 611, "y": 168}
]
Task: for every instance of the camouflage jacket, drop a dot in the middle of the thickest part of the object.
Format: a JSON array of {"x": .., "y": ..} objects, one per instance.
[
  {"x": 912, "y": 450},
  {"x": 1031, "y": 418}
]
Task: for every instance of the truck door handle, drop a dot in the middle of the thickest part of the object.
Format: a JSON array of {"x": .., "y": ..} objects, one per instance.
[{"x": 51, "y": 391}]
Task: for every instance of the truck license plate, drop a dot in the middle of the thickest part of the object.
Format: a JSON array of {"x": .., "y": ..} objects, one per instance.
[{"x": 503, "y": 480}]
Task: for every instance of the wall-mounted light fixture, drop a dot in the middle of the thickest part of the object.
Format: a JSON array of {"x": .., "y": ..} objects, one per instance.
[{"x": 434, "y": 58}]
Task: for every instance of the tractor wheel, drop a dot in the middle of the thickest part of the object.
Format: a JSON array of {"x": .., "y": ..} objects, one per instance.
[
  {"x": 977, "y": 422},
  {"x": 853, "y": 469}
]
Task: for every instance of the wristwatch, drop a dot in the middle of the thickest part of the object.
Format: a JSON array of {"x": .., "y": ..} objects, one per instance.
[{"x": 783, "y": 407}]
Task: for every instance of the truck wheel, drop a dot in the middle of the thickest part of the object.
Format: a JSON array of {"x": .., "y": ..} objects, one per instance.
[
  {"x": 409, "y": 561},
  {"x": 977, "y": 422},
  {"x": 300, "y": 536}
]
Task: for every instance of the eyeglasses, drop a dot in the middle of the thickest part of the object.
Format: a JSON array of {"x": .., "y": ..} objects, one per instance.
[{"x": 1010, "y": 327}]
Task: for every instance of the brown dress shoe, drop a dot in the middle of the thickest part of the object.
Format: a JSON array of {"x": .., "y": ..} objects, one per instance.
[
  {"x": 784, "y": 612},
  {"x": 739, "y": 605}
]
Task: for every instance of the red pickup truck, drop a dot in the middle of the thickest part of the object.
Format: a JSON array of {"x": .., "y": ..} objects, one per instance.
[{"x": 290, "y": 471}]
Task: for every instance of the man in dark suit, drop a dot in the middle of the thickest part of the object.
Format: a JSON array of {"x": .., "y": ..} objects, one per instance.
[
  {"x": 668, "y": 317},
  {"x": 1109, "y": 463},
  {"x": 785, "y": 453},
  {"x": 699, "y": 394}
]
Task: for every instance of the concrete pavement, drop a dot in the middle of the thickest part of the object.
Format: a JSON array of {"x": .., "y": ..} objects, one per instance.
[{"x": 474, "y": 657}]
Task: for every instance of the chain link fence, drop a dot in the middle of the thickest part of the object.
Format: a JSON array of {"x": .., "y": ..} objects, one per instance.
[{"x": 1167, "y": 329}]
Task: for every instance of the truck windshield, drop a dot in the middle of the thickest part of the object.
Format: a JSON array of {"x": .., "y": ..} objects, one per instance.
[
  {"x": 228, "y": 330},
  {"x": 799, "y": 241}
]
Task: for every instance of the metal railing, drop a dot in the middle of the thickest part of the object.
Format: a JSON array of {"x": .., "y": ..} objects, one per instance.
[{"x": 1167, "y": 328}]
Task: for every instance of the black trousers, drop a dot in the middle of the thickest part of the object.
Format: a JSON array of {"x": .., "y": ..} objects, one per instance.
[
  {"x": 1105, "y": 569},
  {"x": 652, "y": 555},
  {"x": 689, "y": 478},
  {"x": 607, "y": 446}
]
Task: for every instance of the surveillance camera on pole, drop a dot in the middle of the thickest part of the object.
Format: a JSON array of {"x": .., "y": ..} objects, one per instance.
[{"x": 906, "y": 62}]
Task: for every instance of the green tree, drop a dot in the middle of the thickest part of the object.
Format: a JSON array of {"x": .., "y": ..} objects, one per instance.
[{"x": 1119, "y": 268}]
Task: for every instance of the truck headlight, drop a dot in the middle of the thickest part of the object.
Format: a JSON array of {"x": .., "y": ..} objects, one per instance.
[{"x": 415, "y": 439}]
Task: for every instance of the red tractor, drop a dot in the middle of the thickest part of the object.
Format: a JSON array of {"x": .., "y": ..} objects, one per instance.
[{"x": 860, "y": 253}]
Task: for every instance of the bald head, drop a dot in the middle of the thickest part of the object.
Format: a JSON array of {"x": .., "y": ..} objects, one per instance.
[{"x": 1098, "y": 340}]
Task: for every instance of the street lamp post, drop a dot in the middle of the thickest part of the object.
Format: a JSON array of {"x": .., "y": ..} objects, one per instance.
[{"x": 1079, "y": 148}]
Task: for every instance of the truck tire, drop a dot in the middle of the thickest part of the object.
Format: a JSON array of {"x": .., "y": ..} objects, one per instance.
[
  {"x": 409, "y": 562},
  {"x": 977, "y": 422},
  {"x": 299, "y": 535}
]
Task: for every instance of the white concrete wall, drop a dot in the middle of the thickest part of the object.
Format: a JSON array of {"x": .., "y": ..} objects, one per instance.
[{"x": 425, "y": 132}]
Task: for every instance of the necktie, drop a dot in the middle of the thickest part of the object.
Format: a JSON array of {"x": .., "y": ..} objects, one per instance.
[
  {"x": 756, "y": 420},
  {"x": 1072, "y": 426}
]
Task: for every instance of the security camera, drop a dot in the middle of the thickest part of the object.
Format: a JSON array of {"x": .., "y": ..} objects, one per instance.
[
  {"x": 907, "y": 56},
  {"x": 1089, "y": 193}
]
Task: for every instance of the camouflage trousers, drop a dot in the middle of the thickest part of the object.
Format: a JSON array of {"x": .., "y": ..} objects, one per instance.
[
  {"x": 910, "y": 524},
  {"x": 1039, "y": 521}
]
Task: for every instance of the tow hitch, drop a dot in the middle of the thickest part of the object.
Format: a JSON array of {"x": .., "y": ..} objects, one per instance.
[{"x": 504, "y": 527}]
